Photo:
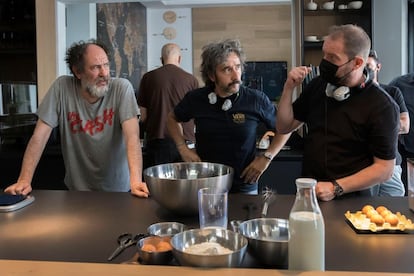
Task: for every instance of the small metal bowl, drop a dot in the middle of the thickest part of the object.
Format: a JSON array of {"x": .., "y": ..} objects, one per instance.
[
  {"x": 165, "y": 229},
  {"x": 209, "y": 258},
  {"x": 268, "y": 240},
  {"x": 154, "y": 257}
]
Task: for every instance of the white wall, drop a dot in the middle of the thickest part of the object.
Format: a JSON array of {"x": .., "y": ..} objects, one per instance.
[
  {"x": 390, "y": 31},
  {"x": 75, "y": 22},
  {"x": 155, "y": 39}
]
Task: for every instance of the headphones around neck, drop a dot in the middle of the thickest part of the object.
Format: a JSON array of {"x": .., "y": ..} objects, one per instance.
[
  {"x": 342, "y": 93},
  {"x": 212, "y": 99}
]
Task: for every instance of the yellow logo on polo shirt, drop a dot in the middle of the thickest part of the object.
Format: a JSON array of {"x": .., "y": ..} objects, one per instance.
[{"x": 239, "y": 118}]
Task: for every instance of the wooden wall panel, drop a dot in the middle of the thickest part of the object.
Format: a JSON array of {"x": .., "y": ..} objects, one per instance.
[
  {"x": 46, "y": 45},
  {"x": 264, "y": 31}
]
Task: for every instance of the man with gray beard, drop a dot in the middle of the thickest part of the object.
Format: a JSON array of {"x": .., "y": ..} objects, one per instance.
[{"x": 98, "y": 122}]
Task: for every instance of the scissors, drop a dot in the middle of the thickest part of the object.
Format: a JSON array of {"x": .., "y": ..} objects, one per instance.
[{"x": 125, "y": 240}]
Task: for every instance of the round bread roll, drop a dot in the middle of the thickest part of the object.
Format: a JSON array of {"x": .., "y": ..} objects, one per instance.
[
  {"x": 392, "y": 219},
  {"x": 377, "y": 219}
]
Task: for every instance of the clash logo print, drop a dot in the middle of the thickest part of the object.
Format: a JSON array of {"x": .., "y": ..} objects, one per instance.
[
  {"x": 239, "y": 118},
  {"x": 77, "y": 125}
]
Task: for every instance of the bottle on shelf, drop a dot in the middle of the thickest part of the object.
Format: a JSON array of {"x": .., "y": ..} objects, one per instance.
[{"x": 306, "y": 229}]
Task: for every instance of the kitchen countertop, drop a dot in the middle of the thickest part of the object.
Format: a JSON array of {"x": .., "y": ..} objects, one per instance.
[{"x": 81, "y": 227}]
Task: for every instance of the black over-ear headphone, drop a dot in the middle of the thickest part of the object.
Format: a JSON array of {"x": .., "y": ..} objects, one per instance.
[{"x": 344, "y": 92}]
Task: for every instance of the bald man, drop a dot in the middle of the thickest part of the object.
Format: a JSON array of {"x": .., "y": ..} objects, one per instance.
[{"x": 159, "y": 92}]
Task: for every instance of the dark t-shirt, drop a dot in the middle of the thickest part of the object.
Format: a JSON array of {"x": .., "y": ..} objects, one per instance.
[
  {"x": 406, "y": 84},
  {"x": 160, "y": 91},
  {"x": 228, "y": 137},
  {"x": 344, "y": 136},
  {"x": 397, "y": 96}
]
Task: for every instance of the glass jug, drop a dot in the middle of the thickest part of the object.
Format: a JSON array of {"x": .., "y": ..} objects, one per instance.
[{"x": 306, "y": 229}]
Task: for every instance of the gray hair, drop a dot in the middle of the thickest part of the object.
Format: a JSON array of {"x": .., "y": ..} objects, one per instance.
[
  {"x": 356, "y": 40},
  {"x": 75, "y": 54},
  {"x": 215, "y": 54}
]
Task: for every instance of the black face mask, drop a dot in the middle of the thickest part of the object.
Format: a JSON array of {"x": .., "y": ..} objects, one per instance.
[
  {"x": 328, "y": 72},
  {"x": 370, "y": 73}
]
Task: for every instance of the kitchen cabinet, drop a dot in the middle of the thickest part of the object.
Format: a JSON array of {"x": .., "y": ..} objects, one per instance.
[
  {"x": 17, "y": 41},
  {"x": 316, "y": 23}
]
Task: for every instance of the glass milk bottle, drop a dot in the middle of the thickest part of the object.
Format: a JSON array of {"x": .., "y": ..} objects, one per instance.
[{"x": 306, "y": 229}]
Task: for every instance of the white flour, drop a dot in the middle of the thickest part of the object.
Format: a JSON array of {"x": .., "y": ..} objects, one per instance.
[{"x": 208, "y": 248}]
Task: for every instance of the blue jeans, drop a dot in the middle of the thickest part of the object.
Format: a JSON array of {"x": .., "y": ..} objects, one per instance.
[{"x": 392, "y": 187}]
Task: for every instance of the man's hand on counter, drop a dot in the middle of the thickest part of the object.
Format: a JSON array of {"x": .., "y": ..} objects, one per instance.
[
  {"x": 140, "y": 189},
  {"x": 255, "y": 169},
  {"x": 19, "y": 188}
]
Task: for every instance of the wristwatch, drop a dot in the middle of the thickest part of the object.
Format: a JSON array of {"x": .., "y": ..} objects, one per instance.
[
  {"x": 338, "y": 191},
  {"x": 268, "y": 156}
]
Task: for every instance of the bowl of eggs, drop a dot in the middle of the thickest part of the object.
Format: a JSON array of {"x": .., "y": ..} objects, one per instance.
[{"x": 155, "y": 250}]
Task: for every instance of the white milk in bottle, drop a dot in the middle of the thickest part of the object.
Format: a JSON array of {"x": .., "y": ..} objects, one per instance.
[{"x": 306, "y": 229}]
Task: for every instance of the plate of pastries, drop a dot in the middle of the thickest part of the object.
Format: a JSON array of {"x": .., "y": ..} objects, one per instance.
[{"x": 379, "y": 219}]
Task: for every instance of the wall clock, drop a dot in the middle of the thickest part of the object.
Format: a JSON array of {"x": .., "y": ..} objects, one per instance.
[
  {"x": 169, "y": 16},
  {"x": 169, "y": 33}
]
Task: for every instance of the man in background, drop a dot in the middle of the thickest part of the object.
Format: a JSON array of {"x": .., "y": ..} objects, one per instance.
[
  {"x": 160, "y": 91},
  {"x": 394, "y": 186},
  {"x": 406, "y": 142}
]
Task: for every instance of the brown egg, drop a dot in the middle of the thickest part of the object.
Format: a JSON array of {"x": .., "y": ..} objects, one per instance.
[
  {"x": 392, "y": 219},
  {"x": 377, "y": 219},
  {"x": 164, "y": 246},
  {"x": 381, "y": 208},
  {"x": 371, "y": 213},
  {"x": 366, "y": 208},
  {"x": 385, "y": 213},
  {"x": 148, "y": 247}
]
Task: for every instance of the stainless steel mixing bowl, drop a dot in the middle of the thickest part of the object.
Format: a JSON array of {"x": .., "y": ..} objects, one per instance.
[
  {"x": 209, "y": 257},
  {"x": 154, "y": 257},
  {"x": 175, "y": 185},
  {"x": 268, "y": 240},
  {"x": 165, "y": 229}
]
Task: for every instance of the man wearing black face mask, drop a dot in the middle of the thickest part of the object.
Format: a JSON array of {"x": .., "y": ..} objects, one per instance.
[{"x": 352, "y": 124}]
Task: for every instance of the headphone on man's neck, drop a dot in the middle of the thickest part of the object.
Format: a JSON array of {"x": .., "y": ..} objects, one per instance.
[
  {"x": 227, "y": 104},
  {"x": 342, "y": 93}
]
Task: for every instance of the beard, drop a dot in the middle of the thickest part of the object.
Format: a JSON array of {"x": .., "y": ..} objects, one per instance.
[{"x": 98, "y": 91}]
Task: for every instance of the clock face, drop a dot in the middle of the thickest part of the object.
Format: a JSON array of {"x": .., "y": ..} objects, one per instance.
[
  {"x": 169, "y": 17},
  {"x": 169, "y": 33}
]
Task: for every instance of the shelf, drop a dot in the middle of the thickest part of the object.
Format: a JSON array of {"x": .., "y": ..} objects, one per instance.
[
  {"x": 316, "y": 44},
  {"x": 336, "y": 12}
]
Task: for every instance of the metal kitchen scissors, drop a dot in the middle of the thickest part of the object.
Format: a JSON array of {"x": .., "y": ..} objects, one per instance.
[{"x": 125, "y": 240}]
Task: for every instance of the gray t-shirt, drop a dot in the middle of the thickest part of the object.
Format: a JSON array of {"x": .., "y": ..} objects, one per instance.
[{"x": 92, "y": 141}]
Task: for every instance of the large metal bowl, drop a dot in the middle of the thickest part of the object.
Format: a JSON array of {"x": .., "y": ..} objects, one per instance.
[
  {"x": 175, "y": 185},
  {"x": 268, "y": 240},
  {"x": 210, "y": 257}
]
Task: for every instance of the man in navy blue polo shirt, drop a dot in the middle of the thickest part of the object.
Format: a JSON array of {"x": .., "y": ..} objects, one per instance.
[{"x": 226, "y": 116}]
